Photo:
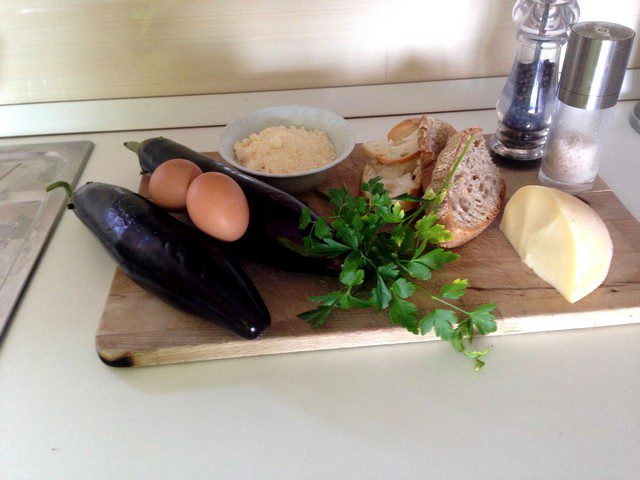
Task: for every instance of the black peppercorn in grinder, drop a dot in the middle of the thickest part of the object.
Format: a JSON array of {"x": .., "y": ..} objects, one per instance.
[{"x": 527, "y": 99}]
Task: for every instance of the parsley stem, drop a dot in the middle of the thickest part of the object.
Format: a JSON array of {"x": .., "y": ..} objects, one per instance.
[
  {"x": 418, "y": 251},
  {"x": 373, "y": 265},
  {"x": 438, "y": 299},
  {"x": 415, "y": 214},
  {"x": 445, "y": 186},
  {"x": 433, "y": 297}
]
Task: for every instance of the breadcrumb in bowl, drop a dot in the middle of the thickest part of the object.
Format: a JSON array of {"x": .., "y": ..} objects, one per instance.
[
  {"x": 308, "y": 162},
  {"x": 282, "y": 149}
]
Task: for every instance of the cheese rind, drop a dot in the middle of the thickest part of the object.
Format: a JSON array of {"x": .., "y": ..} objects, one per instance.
[{"x": 560, "y": 237}]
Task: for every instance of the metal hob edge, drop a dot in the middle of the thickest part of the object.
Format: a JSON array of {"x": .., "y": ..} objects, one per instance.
[{"x": 28, "y": 214}]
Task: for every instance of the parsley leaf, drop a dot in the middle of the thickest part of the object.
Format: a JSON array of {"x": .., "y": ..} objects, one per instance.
[
  {"x": 483, "y": 319},
  {"x": 429, "y": 194},
  {"x": 388, "y": 271},
  {"x": 337, "y": 196},
  {"x": 316, "y": 317},
  {"x": 403, "y": 288},
  {"x": 436, "y": 258},
  {"x": 305, "y": 218},
  {"x": 329, "y": 248},
  {"x": 327, "y": 300},
  {"x": 405, "y": 197},
  {"x": 374, "y": 186},
  {"x": 397, "y": 213},
  {"x": 457, "y": 340},
  {"x": 404, "y": 313},
  {"x": 381, "y": 295},
  {"x": 349, "y": 301},
  {"x": 351, "y": 275},
  {"x": 455, "y": 289},
  {"x": 321, "y": 229},
  {"x": 352, "y": 278},
  {"x": 346, "y": 234},
  {"x": 397, "y": 235},
  {"x": 418, "y": 270},
  {"x": 441, "y": 320},
  {"x": 424, "y": 225},
  {"x": 477, "y": 355},
  {"x": 436, "y": 234}
]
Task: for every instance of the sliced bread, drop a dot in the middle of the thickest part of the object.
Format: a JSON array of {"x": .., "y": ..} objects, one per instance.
[
  {"x": 400, "y": 160},
  {"x": 402, "y": 130},
  {"x": 433, "y": 135},
  {"x": 386, "y": 151},
  {"x": 476, "y": 192},
  {"x": 397, "y": 179}
]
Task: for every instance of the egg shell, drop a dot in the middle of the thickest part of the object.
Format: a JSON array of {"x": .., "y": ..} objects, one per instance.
[
  {"x": 170, "y": 181},
  {"x": 217, "y": 206}
]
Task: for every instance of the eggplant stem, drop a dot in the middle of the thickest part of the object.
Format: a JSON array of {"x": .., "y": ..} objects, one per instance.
[
  {"x": 133, "y": 146},
  {"x": 64, "y": 185}
]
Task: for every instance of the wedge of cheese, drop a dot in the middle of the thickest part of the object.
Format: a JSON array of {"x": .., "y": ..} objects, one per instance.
[{"x": 560, "y": 237}]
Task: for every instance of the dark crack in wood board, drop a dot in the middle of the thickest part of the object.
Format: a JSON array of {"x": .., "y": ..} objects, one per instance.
[{"x": 139, "y": 329}]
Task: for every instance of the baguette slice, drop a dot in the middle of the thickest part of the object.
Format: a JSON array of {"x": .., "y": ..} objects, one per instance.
[
  {"x": 402, "y": 130},
  {"x": 433, "y": 136},
  {"x": 430, "y": 136},
  {"x": 476, "y": 192},
  {"x": 397, "y": 179},
  {"x": 385, "y": 151}
]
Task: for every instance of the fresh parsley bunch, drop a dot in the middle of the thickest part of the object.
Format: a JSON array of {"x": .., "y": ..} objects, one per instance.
[{"x": 386, "y": 254}]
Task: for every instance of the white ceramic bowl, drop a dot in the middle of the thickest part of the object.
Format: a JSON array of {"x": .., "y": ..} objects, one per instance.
[{"x": 336, "y": 127}]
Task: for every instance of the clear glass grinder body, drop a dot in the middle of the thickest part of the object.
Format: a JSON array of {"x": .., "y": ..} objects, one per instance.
[
  {"x": 571, "y": 157},
  {"x": 526, "y": 103}
]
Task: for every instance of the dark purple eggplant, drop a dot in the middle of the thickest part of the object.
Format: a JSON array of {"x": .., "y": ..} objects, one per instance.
[
  {"x": 273, "y": 236},
  {"x": 176, "y": 262}
]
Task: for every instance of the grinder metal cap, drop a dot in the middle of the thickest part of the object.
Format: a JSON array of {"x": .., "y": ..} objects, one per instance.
[{"x": 595, "y": 64}]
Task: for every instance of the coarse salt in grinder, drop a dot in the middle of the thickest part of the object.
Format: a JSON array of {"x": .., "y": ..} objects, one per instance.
[{"x": 592, "y": 75}]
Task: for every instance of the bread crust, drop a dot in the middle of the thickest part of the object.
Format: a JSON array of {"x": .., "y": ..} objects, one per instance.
[
  {"x": 462, "y": 232},
  {"x": 432, "y": 138},
  {"x": 402, "y": 130}
]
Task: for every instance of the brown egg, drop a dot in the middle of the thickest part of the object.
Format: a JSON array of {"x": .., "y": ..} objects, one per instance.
[
  {"x": 217, "y": 206},
  {"x": 170, "y": 181}
]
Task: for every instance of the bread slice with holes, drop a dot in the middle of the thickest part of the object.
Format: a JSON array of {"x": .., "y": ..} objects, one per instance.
[{"x": 476, "y": 191}]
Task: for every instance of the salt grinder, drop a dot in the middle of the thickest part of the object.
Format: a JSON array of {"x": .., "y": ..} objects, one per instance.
[
  {"x": 526, "y": 102},
  {"x": 592, "y": 75}
]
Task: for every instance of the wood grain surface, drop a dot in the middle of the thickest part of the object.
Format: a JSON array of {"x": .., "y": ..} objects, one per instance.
[{"x": 139, "y": 329}]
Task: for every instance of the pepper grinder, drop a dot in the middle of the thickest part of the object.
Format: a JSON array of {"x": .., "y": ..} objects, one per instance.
[
  {"x": 592, "y": 75},
  {"x": 526, "y": 102}
]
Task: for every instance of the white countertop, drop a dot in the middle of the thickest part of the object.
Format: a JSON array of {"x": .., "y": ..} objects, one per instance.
[{"x": 557, "y": 405}]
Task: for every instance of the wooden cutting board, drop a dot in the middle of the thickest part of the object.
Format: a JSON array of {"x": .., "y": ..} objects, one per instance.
[{"x": 139, "y": 329}]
